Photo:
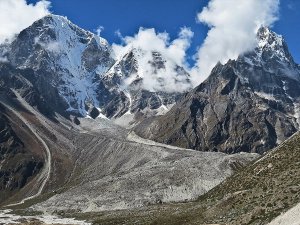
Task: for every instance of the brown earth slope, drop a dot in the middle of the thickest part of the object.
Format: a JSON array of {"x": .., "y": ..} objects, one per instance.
[{"x": 20, "y": 156}]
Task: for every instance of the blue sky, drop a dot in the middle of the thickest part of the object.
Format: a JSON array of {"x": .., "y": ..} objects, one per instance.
[{"x": 163, "y": 15}]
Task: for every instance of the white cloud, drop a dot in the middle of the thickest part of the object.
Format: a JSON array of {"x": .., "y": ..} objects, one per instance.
[
  {"x": 99, "y": 30},
  {"x": 52, "y": 46},
  {"x": 147, "y": 41},
  {"x": 233, "y": 26},
  {"x": 16, "y": 15},
  {"x": 118, "y": 34},
  {"x": 3, "y": 55},
  {"x": 291, "y": 6},
  {"x": 3, "y": 59}
]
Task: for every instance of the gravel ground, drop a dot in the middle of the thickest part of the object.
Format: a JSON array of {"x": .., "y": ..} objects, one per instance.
[
  {"x": 120, "y": 171},
  {"x": 7, "y": 218},
  {"x": 291, "y": 217}
]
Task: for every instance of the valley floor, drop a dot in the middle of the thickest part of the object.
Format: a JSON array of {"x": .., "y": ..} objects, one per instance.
[
  {"x": 102, "y": 174},
  {"x": 6, "y": 217}
]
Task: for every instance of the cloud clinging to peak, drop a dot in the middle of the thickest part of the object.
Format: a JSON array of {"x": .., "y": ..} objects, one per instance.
[
  {"x": 147, "y": 41},
  {"x": 233, "y": 25},
  {"x": 16, "y": 15}
]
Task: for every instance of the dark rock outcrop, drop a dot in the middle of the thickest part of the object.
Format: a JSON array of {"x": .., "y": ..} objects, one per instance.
[
  {"x": 247, "y": 105},
  {"x": 18, "y": 164}
]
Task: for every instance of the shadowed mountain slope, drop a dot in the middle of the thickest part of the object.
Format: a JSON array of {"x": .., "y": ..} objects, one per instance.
[{"x": 247, "y": 105}]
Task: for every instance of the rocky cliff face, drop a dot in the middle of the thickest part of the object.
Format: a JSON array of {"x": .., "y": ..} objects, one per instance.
[
  {"x": 65, "y": 61},
  {"x": 139, "y": 101},
  {"x": 250, "y": 104},
  {"x": 75, "y": 72}
]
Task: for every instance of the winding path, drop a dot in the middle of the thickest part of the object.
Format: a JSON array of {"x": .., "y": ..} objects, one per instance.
[{"x": 45, "y": 174}]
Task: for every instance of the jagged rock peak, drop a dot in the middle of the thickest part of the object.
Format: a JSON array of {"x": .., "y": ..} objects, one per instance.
[
  {"x": 250, "y": 104},
  {"x": 58, "y": 22},
  {"x": 269, "y": 41},
  {"x": 272, "y": 55},
  {"x": 71, "y": 57},
  {"x": 266, "y": 36}
]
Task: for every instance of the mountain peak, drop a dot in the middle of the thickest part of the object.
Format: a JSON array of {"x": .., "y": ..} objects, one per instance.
[
  {"x": 272, "y": 55},
  {"x": 267, "y": 37},
  {"x": 55, "y": 17},
  {"x": 52, "y": 20},
  {"x": 61, "y": 24},
  {"x": 272, "y": 46},
  {"x": 257, "y": 95},
  {"x": 71, "y": 57}
]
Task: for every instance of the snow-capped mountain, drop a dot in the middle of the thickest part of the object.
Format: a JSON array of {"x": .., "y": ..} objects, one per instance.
[
  {"x": 137, "y": 64},
  {"x": 248, "y": 104},
  {"x": 272, "y": 53},
  {"x": 75, "y": 71},
  {"x": 65, "y": 57},
  {"x": 128, "y": 72}
]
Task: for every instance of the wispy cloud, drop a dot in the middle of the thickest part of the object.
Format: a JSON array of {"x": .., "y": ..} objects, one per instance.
[
  {"x": 3, "y": 59},
  {"x": 52, "y": 46},
  {"x": 233, "y": 26},
  {"x": 173, "y": 52},
  {"x": 16, "y": 15},
  {"x": 99, "y": 30},
  {"x": 291, "y": 5}
]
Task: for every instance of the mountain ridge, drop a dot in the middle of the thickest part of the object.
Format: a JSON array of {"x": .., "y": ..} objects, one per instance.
[
  {"x": 244, "y": 105},
  {"x": 95, "y": 115},
  {"x": 77, "y": 70}
]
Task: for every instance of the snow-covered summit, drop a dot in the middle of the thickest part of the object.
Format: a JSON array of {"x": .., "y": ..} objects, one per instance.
[
  {"x": 266, "y": 37},
  {"x": 62, "y": 22},
  {"x": 77, "y": 70},
  {"x": 133, "y": 70},
  {"x": 126, "y": 64},
  {"x": 269, "y": 41},
  {"x": 71, "y": 57},
  {"x": 272, "y": 54},
  {"x": 151, "y": 69}
]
